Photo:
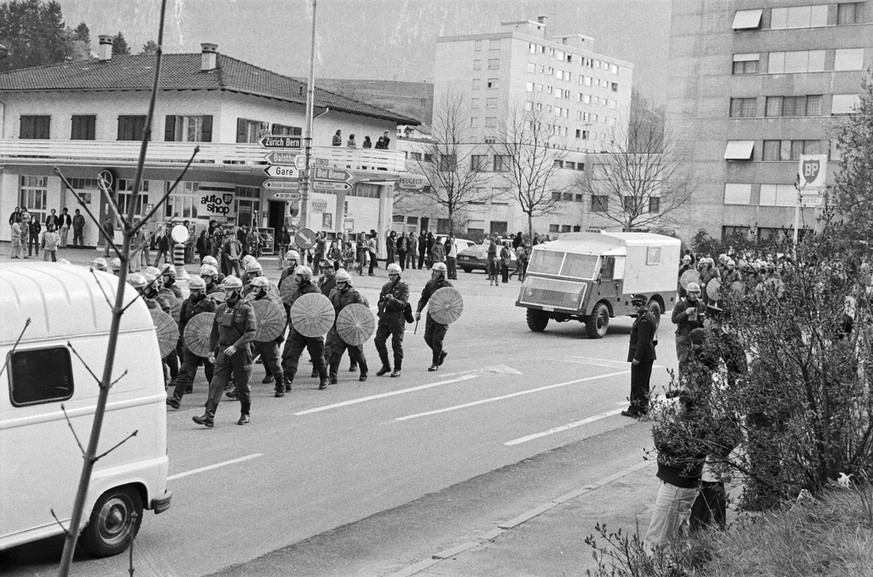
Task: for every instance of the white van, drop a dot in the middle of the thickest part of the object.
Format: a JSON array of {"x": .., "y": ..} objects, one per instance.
[{"x": 40, "y": 463}]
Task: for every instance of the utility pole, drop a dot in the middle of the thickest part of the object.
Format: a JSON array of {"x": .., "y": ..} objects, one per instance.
[{"x": 307, "y": 132}]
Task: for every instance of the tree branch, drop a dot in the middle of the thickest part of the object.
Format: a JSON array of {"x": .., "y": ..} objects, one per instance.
[
  {"x": 121, "y": 442},
  {"x": 75, "y": 352},
  {"x": 70, "y": 424},
  {"x": 15, "y": 346}
]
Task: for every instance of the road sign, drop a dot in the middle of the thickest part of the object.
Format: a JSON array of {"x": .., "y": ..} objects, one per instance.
[
  {"x": 810, "y": 201},
  {"x": 279, "y": 141},
  {"x": 285, "y": 196},
  {"x": 335, "y": 174},
  {"x": 277, "y": 157},
  {"x": 411, "y": 182},
  {"x": 282, "y": 171},
  {"x": 300, "y": 161},
  {"x": 330, "y": 185},
  {"x": 281, "y": 184},
  {"x": 304, "y": 238}
]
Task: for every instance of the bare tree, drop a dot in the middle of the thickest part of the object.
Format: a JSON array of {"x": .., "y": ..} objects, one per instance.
[
  {"x": 446, "y": 161},
  {"x": 641, "y": 179},
  {"x": 528, "y": 157}
]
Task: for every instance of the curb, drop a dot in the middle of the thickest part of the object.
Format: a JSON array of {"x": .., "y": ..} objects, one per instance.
[{"x": 513, "y": 523}]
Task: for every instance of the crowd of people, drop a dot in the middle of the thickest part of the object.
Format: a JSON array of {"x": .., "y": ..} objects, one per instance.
[
  {"x": 28, "y": 234},
  {"x": 382, "y": 142}
]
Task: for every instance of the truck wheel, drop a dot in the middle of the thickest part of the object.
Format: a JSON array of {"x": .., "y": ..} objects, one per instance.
[
  {"x": 537, "y": 320},
  {"x": 598, "y": 322},
  {"x": 112, "y": 525},
  {"x": 466, "y": 269}
]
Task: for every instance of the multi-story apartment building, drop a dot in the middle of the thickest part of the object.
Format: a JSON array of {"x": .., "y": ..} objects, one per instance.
[
  {"x": 582, "y": 97},
  {"x": 753, "y": 85},
  {"x": 87, "y": 117}
]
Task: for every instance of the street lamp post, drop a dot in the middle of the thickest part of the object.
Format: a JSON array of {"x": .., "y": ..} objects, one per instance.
[{"x": 307, "y": 134}]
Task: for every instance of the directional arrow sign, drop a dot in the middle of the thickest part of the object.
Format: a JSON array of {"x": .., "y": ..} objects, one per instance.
[
  {"x": 277, "y": 157},
  {"x": 335, "y": 174},
  {"x": 281, "y": 184},
  {"x": 281, "y": 171},
  {"x": 300, "y": 161},
  {"x": 304, "y": 238},
  {"x": 285, "y": 196},
  {"x": 279, "y": 141},
  {"x": 330, "y": 185}
]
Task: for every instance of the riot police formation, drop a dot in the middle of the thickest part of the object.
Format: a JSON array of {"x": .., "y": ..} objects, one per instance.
[
  {"x": 434, "y": 332},
  {"x": 392, "y": 302},
  {"x": 195, "y": 304},
  {"x": 232, "y": 330}
]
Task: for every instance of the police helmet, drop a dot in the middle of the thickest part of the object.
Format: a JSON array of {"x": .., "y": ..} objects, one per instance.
[
  {"x": 99, "y": 263},
  {"x": 116, "y": 264},
  {"x": 137, "y": 280},
  {"x": 440, "y": 267},
  {"x": 152, "y": 270},
  {"x": 247, "y": 259},
  {"x": 208, "y": 270},
  {"x": 292, "y": 255},
  {"x": 692, "y": 287},
  {"x": 343, "y": 276},
  {"x": 260, "y": 282},
  {"x": 195, "y": 283},
  {"x": 210, "y": 260},
  {"x": 304, "y": 271},
  {"x": 393, "y": 268},
  {"x": 231, "y": 283},
  {"x": 254, "y": 267},
  {"x": 168, "y": 270}
]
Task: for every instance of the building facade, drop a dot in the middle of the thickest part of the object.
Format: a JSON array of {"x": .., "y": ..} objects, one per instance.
[
  {"x": 753, "y": 85},
  {"x": 88, "y": 117}
]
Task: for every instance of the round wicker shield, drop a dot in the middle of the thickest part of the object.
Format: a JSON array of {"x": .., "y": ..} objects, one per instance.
[
  {"x": 445, "y": 305},
  {"x": 312, "y": 315},
  {"x": 355, "y": 324},
  {"x": 167, "y": 330},
  {"x": 738, "y": 286},
  {"x": 288, "y": 289},
  {"x": 198, "y": 332},
  {"x": 218, "y": 297},
  {"x": 712, "y": 289},
  {"x": 689, "y": 276},
  {"x": 269, "y": 320}
]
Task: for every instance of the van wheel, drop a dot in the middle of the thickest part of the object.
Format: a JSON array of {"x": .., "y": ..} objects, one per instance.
[
  {"x": 112, "y": 525},
  {"x": 466, "y": 269},
  {"x": 537, "y": 320},
  {"x": 598, "y": 322}
]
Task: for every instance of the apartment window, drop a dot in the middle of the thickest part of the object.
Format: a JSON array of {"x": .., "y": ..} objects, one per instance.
[
  {"x": 490, "y": 122},
  {"x": 478, "y": 162},
  {"x": 492, "y": 83},
  {"x": 477, "y": 83},
  {"x": 746, "y": 63},
  {"x": 586, "y": 99},
  {"x": 743, "y": 107},
  {"x": 493, "y": 64},
  {"x": 474, "y": 122},
  {"x": 587, "y": 81},
  {"x": 448, "y": 162},
  {"x": 40, "y": 376},
  {"x": 849, "y": 59},
  {"x": 501, "y": 163},
  {"x": 797, "y": 61},
  {"x": 799, "y": 17},
  {"x": 599, "y": 203},
  {"x": 474, "y": 104},
  {"x": 778, "y": 195},
  {"x": 784, "y": 150},
  {"x": 849, "y": 13},
  {"x": 737, "y": 193},
  {"x": 613, "y": 68},
  {"x": 654, "y": 204},
  {"x": 131, "y": 127},
  {"x": 528, "y": 105},
  {"x": 494, "y": 44},
  {"x": 556, "y": 196},
  {"x": 845, "y": 103},
  {"x": 739, "y": 150},
  {"x": 490, "y": 103},
  {"x": 489, "y": 140},
  {"x": 415, "y": 156},
  {"x": 794, "y": 105},
  {"x": 539, "y": 87},
  {"x": 84, "y": 127},
  {"x": 283, "y": 130},
  {"x": 585, "y": 135},
  {"x": 32, "y": 193},
  {"x": 531, "y": 68},
  {"x": 125, "y": 193},
  {"x": 549, "y": 89},
  {"x": 477, "y": 45},
  {"x": 188, "y": 129},
  {"x": 532, "y": 48},
  {"x": 34, "y": 127},
  {"x": 540, "y": 69},
  {"x": 613, "y": 86},
  {"x": 477, "y": 65}
]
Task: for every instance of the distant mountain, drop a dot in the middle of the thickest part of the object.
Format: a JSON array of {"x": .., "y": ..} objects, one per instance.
[{"x": 413, "y": 99}]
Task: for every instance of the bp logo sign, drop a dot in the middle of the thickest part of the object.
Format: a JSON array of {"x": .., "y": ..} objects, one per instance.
[{"x": 812, "y": 170}]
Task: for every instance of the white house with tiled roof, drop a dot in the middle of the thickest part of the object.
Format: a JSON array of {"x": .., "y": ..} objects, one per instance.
[{"x": 84, "y": 117}]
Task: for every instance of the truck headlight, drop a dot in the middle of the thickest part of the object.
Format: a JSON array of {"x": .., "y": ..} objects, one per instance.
[{"x": 528, "y": 291}]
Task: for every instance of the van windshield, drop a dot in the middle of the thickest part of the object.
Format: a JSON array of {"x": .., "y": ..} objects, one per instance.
[
  {"x": 546, "y": 261},
  {"x": 580, "y": 265}
]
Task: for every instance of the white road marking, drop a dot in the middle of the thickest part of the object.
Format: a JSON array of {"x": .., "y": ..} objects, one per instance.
[
  {"x": 383, "y": 395},
  {"x": 510, "y": 396},
  {"x": 562, "y": 428},
  {"x": 215, "y": 466}
]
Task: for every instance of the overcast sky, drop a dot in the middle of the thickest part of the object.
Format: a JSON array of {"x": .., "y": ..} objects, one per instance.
[{"x": 379, "y": 39}]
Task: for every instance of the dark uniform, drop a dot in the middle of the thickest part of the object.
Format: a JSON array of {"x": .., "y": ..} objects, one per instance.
[
  {"x": 434, "y": 332},
  {"x": 269, "y": 350},
  {"x": 234, "y": 325},
  {"x": 641, "y": 350},
  {"x": 335, "y": 345},
  {"x": 391, "y": 322},
  {"x": 296, "y": 342},
  {"x": 684, "y": 326},
  {"x": 191, "y": 361}
]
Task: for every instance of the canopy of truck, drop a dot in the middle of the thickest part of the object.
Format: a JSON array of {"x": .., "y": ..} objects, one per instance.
[
  {"x": 586, "y": 243},
  {"x": 61, "y": 301}
]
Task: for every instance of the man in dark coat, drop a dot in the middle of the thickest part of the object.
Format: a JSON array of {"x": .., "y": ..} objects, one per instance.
[
  {"x": 641, "y": 355},
  {"x": 434, "y": 332}
]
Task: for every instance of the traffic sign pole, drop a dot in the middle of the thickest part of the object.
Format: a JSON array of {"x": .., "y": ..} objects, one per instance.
[{"x": 307, "y": 135}]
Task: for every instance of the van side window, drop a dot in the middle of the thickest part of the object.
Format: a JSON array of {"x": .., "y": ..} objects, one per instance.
[
  {"x": 607, "y": 265},
  {"x": 40, "y": 376}
]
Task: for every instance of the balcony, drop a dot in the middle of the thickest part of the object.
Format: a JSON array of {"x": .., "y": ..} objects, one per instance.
[{"x": 233, "y": 157}]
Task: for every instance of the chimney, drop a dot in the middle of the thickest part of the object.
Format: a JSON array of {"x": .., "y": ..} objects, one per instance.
[
  {"x": 104, "y": 54},
  {"x": 208, "y": 56}
]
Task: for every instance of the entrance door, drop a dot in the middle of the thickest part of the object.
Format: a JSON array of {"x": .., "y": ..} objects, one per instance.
[
  {"x": 425, "y": 224},
  {"x": 276, "y": 219}
]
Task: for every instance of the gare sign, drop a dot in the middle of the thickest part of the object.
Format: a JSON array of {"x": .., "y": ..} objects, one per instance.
[{"x": 282, "y": 171}]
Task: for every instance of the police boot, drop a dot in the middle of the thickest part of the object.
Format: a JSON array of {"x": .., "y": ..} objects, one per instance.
[
  {"x": 174, "y": 402},
  {"x": 207, "y": 419},
  {"x": 268, "y": 378},
  {"x": 363, "y": 376},
  {"x": 323, "y": 385},
  {"x": 384, "y": 370},
  {"x": 396, "y": 372},
  {"x": 353, "y": 366},
  {"x": 243, "y": 419},
  {"x": 333, "y": 379},
  {"x": 443, "y": 356}
]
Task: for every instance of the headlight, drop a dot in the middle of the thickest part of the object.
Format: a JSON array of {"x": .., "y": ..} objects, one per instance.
[{"x": 528, "y": 291}]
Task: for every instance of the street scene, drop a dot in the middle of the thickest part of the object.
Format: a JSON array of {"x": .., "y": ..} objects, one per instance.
[{"x": 517, "y": 289}]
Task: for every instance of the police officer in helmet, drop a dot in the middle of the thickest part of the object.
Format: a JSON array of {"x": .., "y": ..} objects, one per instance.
[
  {"x": 392, "y": 302},
  {"x": 434, "y": 332}
]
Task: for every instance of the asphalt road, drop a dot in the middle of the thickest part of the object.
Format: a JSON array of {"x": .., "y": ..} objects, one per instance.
[{"x": 315, "y": 461}]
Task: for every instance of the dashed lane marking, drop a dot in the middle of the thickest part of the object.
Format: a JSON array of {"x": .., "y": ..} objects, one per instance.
[
  {"x": 562, "y": 428},
  {"x": 215, "y": 466},
  {"x": 383, "y": 395},
  {"x": 510, "y": 396}
]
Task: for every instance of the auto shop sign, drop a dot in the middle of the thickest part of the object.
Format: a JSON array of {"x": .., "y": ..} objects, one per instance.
[{"x": 212, "y": 203}]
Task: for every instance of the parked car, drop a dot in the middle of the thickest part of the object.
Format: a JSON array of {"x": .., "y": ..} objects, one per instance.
[{"x": 476, "y": 258}]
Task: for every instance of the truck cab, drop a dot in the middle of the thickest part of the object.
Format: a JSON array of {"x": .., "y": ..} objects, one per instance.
[{"x": 590, "y": 277}]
